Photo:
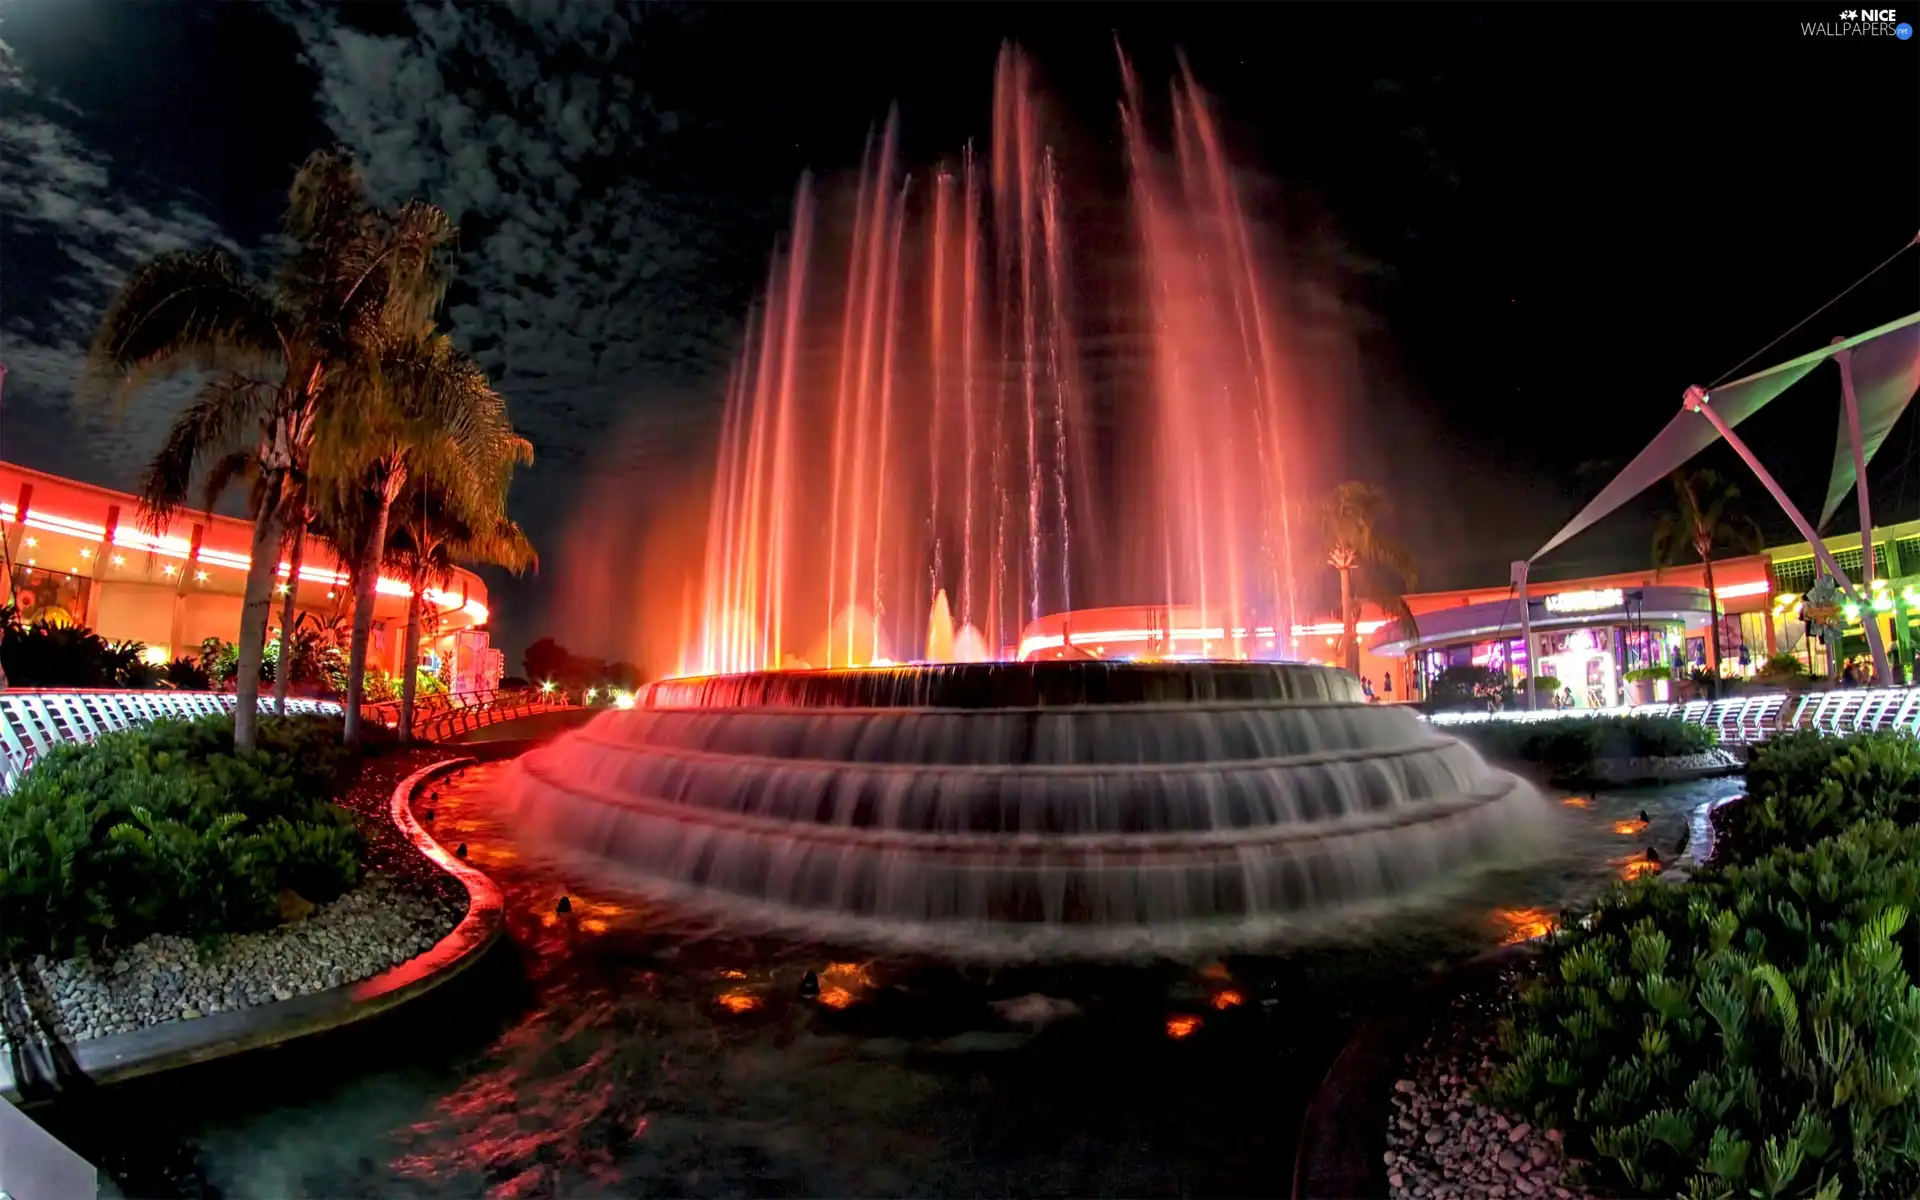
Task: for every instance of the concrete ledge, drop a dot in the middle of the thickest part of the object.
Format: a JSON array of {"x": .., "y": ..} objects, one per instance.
[
  {"x": 1344, "y": 1134},
  {"x": 140, "y": 1052}
]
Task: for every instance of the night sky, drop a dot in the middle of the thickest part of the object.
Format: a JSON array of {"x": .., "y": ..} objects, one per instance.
[{"x": 1548, "y": 219}]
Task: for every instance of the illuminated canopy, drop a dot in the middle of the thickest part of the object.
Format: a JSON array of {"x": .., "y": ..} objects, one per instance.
[
  {"x": 1886, "y": 373},
  {"x": 1879, "y": 370}
]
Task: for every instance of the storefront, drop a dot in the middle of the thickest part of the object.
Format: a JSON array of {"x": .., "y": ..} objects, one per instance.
[{"x": 1601, "y": 645}]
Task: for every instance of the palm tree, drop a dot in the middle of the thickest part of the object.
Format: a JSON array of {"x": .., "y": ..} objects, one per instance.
[
  {"x": 420, "y": 411},
  {"x": 1707, "y": 516},
  {"x": 1372, "y": 566},
  {"x": 431, "y": 532},
  {"x": 354, "y": 273}
]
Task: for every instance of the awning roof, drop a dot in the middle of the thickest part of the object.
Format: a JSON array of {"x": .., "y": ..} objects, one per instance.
[{"x": 1886, "y": 360}]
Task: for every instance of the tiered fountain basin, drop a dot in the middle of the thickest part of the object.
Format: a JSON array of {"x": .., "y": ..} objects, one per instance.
[{"x": 1020, "y": 811}]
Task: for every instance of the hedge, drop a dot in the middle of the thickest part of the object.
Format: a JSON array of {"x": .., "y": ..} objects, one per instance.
[
  {"x": 1572, "y": 745},
  {"x": 165, "y": 829}
]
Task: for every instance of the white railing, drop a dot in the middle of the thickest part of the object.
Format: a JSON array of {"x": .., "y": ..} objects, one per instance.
[
  {"x": 1754, "y": 718},
  {"x": 446, "y": 715},
  {"x": 33, "y": 722}
]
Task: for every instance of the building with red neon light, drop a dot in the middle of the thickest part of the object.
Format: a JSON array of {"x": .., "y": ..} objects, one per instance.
[
  {"x": 75, "y": 554},
  {"x": 1590, "y": 632}
]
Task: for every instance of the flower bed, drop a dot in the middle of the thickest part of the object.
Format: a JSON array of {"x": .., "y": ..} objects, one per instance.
[{"x": 175, "y": 879}]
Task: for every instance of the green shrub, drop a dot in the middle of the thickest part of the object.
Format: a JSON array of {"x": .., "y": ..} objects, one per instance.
[
  {"x": 164, "y": 829},
  {"x": 1802, "y": 787},
  {"x": 1469, "y": 688},
  {"x": 1647, "y": 674},
  {"x": 1754, "y": 1032},
  {"x": 1572, "y": 745}
]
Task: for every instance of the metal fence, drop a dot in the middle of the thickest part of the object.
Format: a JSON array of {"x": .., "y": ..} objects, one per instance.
[
  {"x": 1755, "y": 718},
  {"x": 33, "y": 722},
  {"x": 446, "y": 715}
]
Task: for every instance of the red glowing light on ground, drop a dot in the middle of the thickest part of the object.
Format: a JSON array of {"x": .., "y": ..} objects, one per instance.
[
  {"x": 1523, "y": 924},
  {"x": 1182, "y": 1026},
  {"x": 738, "y": 1000},
  {"x": 836, "y": 997},
  {"x": 1634, "y": 868},
  {"x": 1215, "y": 973},
  {"x": 1629, "y": 828},
  {"x": 1227, "y": 999},
  {"x": 1577, "y": 802}
]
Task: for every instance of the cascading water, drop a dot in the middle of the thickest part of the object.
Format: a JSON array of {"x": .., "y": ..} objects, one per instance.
[
  {"x": 908, "y": 468},
  {"x": 1019, "y": 811},
  {"x": 918, "y": 409}
]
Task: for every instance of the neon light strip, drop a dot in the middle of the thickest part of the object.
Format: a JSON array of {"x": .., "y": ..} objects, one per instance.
[
  {"x": 1053, "y": 641},
  {"x": 1330, "y": 628},
  {"x": 173, "y": 547},
  {"x": 1737, "y": 590}
]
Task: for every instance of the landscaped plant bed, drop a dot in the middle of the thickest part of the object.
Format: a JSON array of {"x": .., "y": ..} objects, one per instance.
[
  {"x": 398, "y": 906},
  {"x": 1609, "y": 750},
  {"x": 1442, "y": 1141}
]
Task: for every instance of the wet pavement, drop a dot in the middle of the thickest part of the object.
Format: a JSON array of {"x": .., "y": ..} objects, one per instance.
[{"x": 613, "y": 1050}]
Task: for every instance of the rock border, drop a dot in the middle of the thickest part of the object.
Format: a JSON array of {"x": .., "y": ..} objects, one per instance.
[
  {"x": 122, "y": 1056},
  {"x": 1635, "y": 772},
  {"x": 1344, "y": 1133}
]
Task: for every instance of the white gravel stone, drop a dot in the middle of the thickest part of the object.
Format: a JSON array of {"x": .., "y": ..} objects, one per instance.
[
  {"x": 1443, "y": 1143},
  {"x": 164, "y": 978}
]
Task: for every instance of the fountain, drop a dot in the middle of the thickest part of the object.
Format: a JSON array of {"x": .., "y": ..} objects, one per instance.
[
  {"x": 911, "y": 430},
  {"x": 1009, "y": 811}
]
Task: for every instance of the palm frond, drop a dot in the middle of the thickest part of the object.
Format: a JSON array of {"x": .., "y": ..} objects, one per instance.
[
  {"x": 186, "y": 309},
  {"x": 222, "y": 420}
]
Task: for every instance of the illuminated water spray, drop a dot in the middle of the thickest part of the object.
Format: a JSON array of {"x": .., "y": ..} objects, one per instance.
[{"x": 912, "y": 415}]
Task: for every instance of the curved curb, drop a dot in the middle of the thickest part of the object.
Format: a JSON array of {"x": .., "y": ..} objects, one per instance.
[
  {"x": 1344, "y": 1132},
  {"x": 163, "y": 1047}
]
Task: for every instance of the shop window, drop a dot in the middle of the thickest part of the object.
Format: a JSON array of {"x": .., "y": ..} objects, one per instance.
[{"x": 54, "y": 597}]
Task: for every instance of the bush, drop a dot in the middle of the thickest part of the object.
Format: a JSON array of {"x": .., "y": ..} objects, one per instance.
[
  {"x": 1805, "y": 786},
  {"x": 1572, "y": 745},
  {"x": 46, "y": 655},
  {"x": 1752, "y": 1032},
  {"x": 164, "y": 829},
  {"x": 1468, "y": 687},
  {"x": 1782, "y": 669}
]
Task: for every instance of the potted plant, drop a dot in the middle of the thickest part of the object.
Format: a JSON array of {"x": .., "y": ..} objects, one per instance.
[{"x": 1643, "y": 684}]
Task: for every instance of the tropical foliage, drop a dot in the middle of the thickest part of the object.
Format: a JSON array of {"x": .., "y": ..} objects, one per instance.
[
  {"x": 435, "y": 527},
  {"x": 1707, "y": 518},
  {"x": 1805, "y": 786},
  {"x": 333, "y": 395},
  {"x": 285, "y": 397},
  {"x": 45, "y": 655},
  {"x": 1468, "y": 688},
  {"x": 1349, "y": 526},
  {"x": 164, "y": 828},
  {"x": 1755, "y": 1032},
  {"x": 1570, "y": 747}
]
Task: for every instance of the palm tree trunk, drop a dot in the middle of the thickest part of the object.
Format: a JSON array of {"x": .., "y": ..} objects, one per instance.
[
  {"x": 1348, "y": 623},
  {"x": 289, "y": 611},
  {"x": 261, "y": 570},
  {"x": 365, "y": 588},
  {"x": 412, "y": 665},
  {"x": 1713, "y": 630}
]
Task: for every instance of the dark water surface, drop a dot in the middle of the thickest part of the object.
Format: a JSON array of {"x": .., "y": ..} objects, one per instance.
[{"x": 611, "y": 1051}]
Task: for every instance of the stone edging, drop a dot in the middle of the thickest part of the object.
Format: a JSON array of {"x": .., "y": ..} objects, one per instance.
[
  {"x": 157, "y": 1048},
  {"x": 1344, "y": 1131},
  {"x": 1680, "y": 768}
]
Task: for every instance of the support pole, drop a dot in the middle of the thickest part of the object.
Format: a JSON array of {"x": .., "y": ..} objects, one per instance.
[
  {"x": 1526, "y": 628},
  {"x": 1881, "y": 671},
  {"x": 1697, "y": 400}
]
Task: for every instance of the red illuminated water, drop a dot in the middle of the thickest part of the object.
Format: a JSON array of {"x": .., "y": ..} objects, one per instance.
[{"x": 915, "y": 412}]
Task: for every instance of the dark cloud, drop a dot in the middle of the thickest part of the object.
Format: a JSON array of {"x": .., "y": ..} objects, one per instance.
[{"x": 70, "y": 229}]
